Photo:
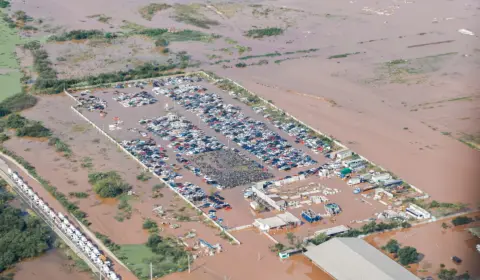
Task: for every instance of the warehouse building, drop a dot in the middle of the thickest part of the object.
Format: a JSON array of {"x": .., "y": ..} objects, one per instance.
[{"x": 362, "y": 260}]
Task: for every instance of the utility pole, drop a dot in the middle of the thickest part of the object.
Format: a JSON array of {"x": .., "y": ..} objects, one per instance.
[
  {"x": 151, "y": 271},
  {"x": 188, "y": 263}
]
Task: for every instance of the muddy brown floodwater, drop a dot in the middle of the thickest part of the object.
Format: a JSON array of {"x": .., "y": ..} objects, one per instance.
[
  {"x": 53, "y": 265},
  {"x": 437, "y": 246}
]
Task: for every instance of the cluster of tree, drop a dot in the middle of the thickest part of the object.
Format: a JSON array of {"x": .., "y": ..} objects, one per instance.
[
  {"x": 374, "y": 227},
  {"x": 264, "y": 32},
  {"x": 25, "y": 127},
  {"x": 62, "y": 198},
  {"x": 77, "y": 35},
  {"x": 21, "y": 236},
  {"x": 16, "y": 103},
  {"x": 170, "y": 255},
  {"x": 108, "y": 184},
  {"x": 365, "y": 229},
  {"x": 462, "y": 220},
  {"x": 451, "y": 274},
  {"x": 4, "y": 4},
  {"x": 150, "y": 225},
  {"x": 406, "y": 255}
]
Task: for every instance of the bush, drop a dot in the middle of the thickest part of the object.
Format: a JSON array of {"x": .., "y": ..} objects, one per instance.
[
  {"x": 77, "y": 35},
  {"x": 407, "y": 255},
  {"x": 461, "y": 220},
  {"x": 4, "y": 4},
  {"x": 16, "y": 121},
  {"x": 17, "y": 102},
  {"x": 34, "y": 129},
  {"x": 78, "y": 194},
  {"x": 144, "y": 176},
  {"x": 264, "y": 32},
  {"x": 60, "y": 146},
  {"x": 107, "y": 184},
  {"x": 161, "y": 42},
  {"x": 392, "y": 246},
  {"x": 150, "y": 225},
  {"x": 319, "y": 239},
  {"x": 447, "y": 274},
  {"x": 3, "y": 137},
  {"x": 241, "y": 65}
]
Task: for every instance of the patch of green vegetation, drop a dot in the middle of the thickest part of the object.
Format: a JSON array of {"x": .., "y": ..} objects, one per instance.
[
  {"x": 86, "y": 162},
  {"x": 473, "y": 141},
  {"x": 220, "y": 61},
  {"x": 10, "y": 74},
  {"x": 16, "y": 103},
  {"x": 150, "y": 225},
  {"x": 191, "y": 14},
  {"x": 260, "y": 55},
  {"x": 241, "y": 65},
  {"x": 78, "y": 194},
  {"x": 343, "y": 55},
  {"x": 124, "y": 207},
  {"x": 104, "y": 19},
  {"x": 108, "y": 184},
  {"x": 77, "y": 35},
  {"x": 144, "y": 176},
  {"x": 462, "y": 220},
  {"x": 166, "y": 254},
  {"x": 4, "y": 4},
  {"x": 21, "y": 236},
  {"x": 62, "y": 198},
  {"x": 60, "y": 146},
  {"x": 25, "y": 127},
  {"x": 411, "y": 70},
  {"x": 148, "y": 11},
  {"x": 189, "y": 35},
  {"x": 264, "y": 32},
  {"x": 3, "y": 137}
]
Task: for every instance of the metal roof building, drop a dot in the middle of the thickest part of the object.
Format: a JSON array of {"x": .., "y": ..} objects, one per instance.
[{"x": 353, "y": 259}]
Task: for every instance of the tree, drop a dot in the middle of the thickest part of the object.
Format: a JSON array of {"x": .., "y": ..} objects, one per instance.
[
  {"x": 464, "y": 276},
  {"x": 291, "y": 238},
  {"x": 444, "y": 226},
  {"x": 407, "y": 255},
  {"x": 447, "y": 274},
  {"x": 392, "y": 246},
  {"x": 16, "y": 121},
  {"x": 369, "y": 228},
  {"x": 461, "y": 220},
  {"x": 107, "y": 184},
  {"x": 319, "y": 238}
]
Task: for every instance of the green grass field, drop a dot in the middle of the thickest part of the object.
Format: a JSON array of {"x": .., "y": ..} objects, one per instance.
[
  {"x": 137, "y": 258},
  {"x": 9, "y": 68}
]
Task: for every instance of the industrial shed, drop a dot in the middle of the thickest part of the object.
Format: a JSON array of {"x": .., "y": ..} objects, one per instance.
[{"x": 362, "y": 260}]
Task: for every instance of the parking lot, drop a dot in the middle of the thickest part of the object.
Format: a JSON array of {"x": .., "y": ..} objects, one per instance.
[
  {"x": 206, "y": 142},
  {"x": 188, "y": 150}
]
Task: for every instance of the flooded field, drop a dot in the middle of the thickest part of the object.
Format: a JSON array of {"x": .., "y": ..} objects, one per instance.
[
  {"x": 53, "y": 265},
  {"x": 437, "y": 246}
]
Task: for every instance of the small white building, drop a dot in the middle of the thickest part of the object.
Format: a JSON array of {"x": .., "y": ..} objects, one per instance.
[
  {"x": 344, "y": 154},
  {"x": 276, "y": 222},
  {"x": 417, "y": 212},
  {"x": 381, "y": 177}
]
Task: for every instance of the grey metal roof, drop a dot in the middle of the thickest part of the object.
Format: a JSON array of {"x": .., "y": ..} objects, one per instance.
[{"x": 353, "y": 259}]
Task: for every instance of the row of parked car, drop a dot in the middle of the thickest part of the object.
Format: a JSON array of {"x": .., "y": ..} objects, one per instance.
[
  {"x": 136, "y": 99},
  {"x": 91, "y": 102},
  {"x": 184, "y": 137},
  {"x": 254, "y": 136},
  {"x": 153, "y": 156}
]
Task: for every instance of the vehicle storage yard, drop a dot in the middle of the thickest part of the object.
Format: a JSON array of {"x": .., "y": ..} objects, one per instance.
[{"x": 188, "y": 132}]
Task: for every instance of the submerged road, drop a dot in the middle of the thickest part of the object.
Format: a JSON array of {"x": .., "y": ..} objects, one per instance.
[{"x": 4, "y": 175}]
